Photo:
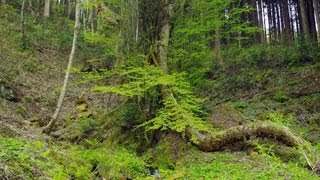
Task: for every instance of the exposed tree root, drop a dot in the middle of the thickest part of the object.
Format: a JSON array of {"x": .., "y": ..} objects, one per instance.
[{"x": 215, "y": 141}]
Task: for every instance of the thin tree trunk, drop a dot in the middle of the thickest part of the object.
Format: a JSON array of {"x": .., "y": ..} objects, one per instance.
[
  {"x": 137, "y": 23},
  {"x": 278, "y": 19},
  {"x": 46, "y": 11},
  {"x": 269, "y": 15},
  {"x": 50, "y": 125},
  {"x": 23, "y": 36},
  {"x": 316, "y": 11}
]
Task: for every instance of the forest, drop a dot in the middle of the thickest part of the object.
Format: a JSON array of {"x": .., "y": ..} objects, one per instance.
[{"x": 159, "y": 89}]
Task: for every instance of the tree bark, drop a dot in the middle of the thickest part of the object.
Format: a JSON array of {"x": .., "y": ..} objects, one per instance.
[
  {"x": 312, "y": 23},
  {"x": 304, "y": 17},
  {"x": 316, "y": 11},
  {"x": 50, "y": 125},
  {"x": 164, "y": 39},
  {"x": 46, "y": 10},
  {"x": 261, "y": 24},
  {"x": 163, "y": 45},
  {"x": 287, "y": 27},
  {"x": 3, "y": 1},
  {"x": 68, "y": 8},
  {"x": 23, "y": 36},
  {"x": 255, "y": 21}
]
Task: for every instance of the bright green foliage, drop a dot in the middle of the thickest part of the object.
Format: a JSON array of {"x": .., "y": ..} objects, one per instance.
[
  {"x": 196, "y": 25},
  {"x": 179, "y": 111},
  {"x": 20, "y": 159},
  {"x": 281, "y": 119}
]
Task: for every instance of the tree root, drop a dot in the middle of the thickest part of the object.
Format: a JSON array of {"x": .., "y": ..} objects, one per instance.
[{"x": 215, "y": 141}]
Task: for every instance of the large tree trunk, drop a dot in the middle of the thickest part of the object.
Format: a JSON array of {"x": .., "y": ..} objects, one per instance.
[
  {"x": 163, "y": 44},
  {"x": 261, "y": 24},
  {"x": 316, "y": 11},
  {"x": 304, "y": 17},
  {"x": 164, "y": 39},
  {"x": 46, "y": 10},
  {"x": 3, "y": 1},
  {"x": 255, "y": 21},
  {"x": 50, "y": 125},
  {"x": 287, "y": 27},
  {"x": 68, "y": 8},
  {"x": 312, "y": 23}
]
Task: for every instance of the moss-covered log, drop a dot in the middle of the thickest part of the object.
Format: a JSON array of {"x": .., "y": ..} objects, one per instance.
[{"x": 217, "y": 140}]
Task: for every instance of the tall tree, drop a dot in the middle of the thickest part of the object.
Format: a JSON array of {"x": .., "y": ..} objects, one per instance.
[
  {"x": 311, "y": 18},
  {"x": 51, "y": 124},
  {"x": 316, "y": 11},
  {"x": 304, "y": 17},
  {"x": 46, "y": 10},
  {"x": 255, "y": 17},
  {"x": 261, "y": 20},
  {"x": 68, "y": 8},
  {"x": 287, "y": 27}
]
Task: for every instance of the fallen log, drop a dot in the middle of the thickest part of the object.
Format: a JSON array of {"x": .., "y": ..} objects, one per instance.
[{"x": 215, "y": 141}]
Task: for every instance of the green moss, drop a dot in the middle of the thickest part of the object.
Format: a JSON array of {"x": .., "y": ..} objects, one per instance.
[
  {"x": 37, "y": 159},
  {"x": 236, "y": 166}
]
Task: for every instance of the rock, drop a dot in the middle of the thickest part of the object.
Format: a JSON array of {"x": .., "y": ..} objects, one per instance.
[{"x": 225, "y": 116}]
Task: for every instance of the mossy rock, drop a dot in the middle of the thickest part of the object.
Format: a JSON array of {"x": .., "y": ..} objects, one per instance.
[{"x": 225, "y": 116}]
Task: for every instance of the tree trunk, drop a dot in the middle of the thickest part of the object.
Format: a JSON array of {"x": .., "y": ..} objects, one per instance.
[
  {"x": 316, "y": 11},
  {"x": 278, "y": 19},
  {"x": 261, "y": 24},
  {"x": 163, "y": 46},
  {"x": 68, "y": 8},
  {"x": 46, "y": 11},
  {"x": 304, "y": 17},
  {"x": 3, "y": 1},
  {"x": 23, "y": 36},
  {"x": 164, "y": 39},
  {"x": 255, "y": 20},
  {"x": 50, "y": 125},
  {"x": 287, "y": 27},
  {"x": 274, "y": 22},
  {"x": 312, "y": 23},
  {"x": 270, "y": 21}
]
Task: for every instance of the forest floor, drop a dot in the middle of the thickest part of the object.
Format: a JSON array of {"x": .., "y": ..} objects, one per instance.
[{"x": 90, "y": 147}]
